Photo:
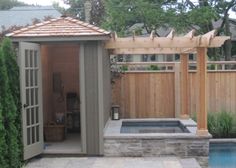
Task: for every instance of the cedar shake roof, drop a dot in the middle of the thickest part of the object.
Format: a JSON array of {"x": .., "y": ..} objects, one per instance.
[{"x": 60, "y": 27}]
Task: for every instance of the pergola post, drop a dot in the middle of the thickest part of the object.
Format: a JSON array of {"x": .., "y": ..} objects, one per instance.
[
  {"x": 202, "y": 90},
  {"x": 184, "y": 86}
]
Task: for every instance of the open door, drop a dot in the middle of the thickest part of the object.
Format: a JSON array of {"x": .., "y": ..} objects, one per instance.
[{"x": 31, "y": 97}]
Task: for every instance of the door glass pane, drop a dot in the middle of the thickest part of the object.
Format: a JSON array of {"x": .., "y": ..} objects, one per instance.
[
  {"x": 32, "y": 97},
  {"x": 36, "y": 96},
  {"x": 33, "y": 135},
  {"x": 31, "y": 58},
  {"x": 28, "y": 117},
  {"x": 36, "y": 77},
  {"x": 37, "y": 133},
  {"x": 27, "y": 97},
  {"x": 37, "y": 115},
  {"x": 31, "y": 77},
  {"x": 26, "y": 58},
  {"x": 28, "y": 136},
  {"x": 32, "y": 115},
  {"x": 35, "y": 59},
  {"x": 27, "y": 78}
]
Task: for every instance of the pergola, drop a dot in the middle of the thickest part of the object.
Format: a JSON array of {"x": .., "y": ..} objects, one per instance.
[{"x": 177, "y": 45}]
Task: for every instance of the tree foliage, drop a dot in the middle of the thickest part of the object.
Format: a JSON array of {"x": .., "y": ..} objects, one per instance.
[
  {"x": 180, "y": 15},
  {"x": 3, "y": 142},
  {"x": 14, "y": 87},
  {"x": 8, "y": 4},
  {"x": 10, "y": 106},
  {"x": 122, "y": 14},
  {"x": 77, "y": 10}
]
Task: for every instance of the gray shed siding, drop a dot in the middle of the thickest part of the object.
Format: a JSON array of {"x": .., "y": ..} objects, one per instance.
[
  {"x": 106, "y": 86},
  {"x": 97, "y": 94},
  {"x": 91, "y": 97}
]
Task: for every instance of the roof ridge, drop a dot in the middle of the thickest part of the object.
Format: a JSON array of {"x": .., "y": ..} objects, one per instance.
[
  {"x": 59, "y": 27},
  {"x": 88, "y": 25},
  {"x": 33, "y": 26}
]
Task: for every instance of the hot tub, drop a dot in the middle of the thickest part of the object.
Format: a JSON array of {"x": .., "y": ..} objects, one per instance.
[
  {"x": 153, "y": 127},
  {"x": 155, "y": 137}
]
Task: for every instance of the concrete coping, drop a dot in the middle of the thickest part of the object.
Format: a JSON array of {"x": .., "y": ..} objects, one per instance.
[
  {"x": 233, "y": 140},
  {"x": 113, "y": 127}
]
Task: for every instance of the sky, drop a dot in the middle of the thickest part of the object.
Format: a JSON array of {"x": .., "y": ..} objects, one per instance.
[
  {"x": 43, "y": 2},
  {"x": 49, "y": 2}
]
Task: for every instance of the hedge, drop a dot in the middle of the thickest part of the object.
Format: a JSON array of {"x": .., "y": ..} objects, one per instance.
[{"x": 10, "y": 120}]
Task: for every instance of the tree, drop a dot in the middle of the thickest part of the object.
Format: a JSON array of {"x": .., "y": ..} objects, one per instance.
[
  {"x": 181, "y": 15},
  {"x": 10, "y": 141},
  {"x": 14, "y": 132},
  {"x": 122, "y": 14},
  {"x": 77, "y": 10},
  {"x": 221, "y": 11},
  {"x": 3, "y": 144},
  {"x": 8, "y": 4}
]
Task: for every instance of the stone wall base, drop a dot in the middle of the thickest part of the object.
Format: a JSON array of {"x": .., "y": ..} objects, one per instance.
[{"x": 142, "y": 147}]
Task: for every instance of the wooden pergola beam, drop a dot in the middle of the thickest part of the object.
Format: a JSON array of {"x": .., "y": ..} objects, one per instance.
[
  {"x": 190, "y": 34},
  {"x": 139, "y": 51},
  {"x": 172, "y": 45},
  {"x": 164, "y": 42},
  {"x": 171, "y": 34},
  {"x": 202, "y": 91},
  {"x": 184, "y": 114}
]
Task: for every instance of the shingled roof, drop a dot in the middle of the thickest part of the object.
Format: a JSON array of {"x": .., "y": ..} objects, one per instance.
[{"x": 60, "y": 27}]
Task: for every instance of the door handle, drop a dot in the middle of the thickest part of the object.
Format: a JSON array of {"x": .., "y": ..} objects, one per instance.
[{"x": 25, "y": 105}]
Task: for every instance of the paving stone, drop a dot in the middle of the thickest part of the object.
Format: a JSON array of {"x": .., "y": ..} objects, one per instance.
[
  {"x": 172, "y": 164},
  {"x": 113, "y": 162},
  {"x": 189, "y": 163}
]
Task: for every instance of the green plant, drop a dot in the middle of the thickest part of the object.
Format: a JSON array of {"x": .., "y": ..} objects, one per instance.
[
  {"x": 212, "y": 123},
  {"x": 154, "y": 67},
  {"x": 212, "y": 67},
  {"x": 124, "y": 68},
  {"x": 10, "y": 109},
  {"x": 3, "y": 144},
  {"x": 14, "y": 87},
  {"x": 225, "y": 124},
  {"x": 220, "y": 124}
]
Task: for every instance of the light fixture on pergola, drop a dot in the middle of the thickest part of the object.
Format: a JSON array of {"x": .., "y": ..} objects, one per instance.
[{"x": 183, "y": 45}]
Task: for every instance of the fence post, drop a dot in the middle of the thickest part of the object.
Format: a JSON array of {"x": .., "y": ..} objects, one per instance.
[{"x": 177, "y": 89}]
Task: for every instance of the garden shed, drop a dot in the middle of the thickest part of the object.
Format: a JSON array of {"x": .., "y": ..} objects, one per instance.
[
  {"x": 65, "y": 81},
  {"x": 66, "y": 93}
]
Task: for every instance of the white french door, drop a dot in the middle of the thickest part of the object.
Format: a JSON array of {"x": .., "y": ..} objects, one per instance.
[{"x": 31, "y": 98}]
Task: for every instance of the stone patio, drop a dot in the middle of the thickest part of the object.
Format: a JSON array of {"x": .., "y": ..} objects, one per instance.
[{"x": 111, "y": 162}]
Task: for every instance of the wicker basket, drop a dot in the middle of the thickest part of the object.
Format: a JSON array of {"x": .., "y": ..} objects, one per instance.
[{"x": 54, "y": 132}]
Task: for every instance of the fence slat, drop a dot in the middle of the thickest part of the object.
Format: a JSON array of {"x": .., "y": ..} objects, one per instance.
[{"x": 153, "y": 94}]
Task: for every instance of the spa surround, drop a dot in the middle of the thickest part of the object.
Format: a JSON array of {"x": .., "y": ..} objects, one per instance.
[{"x": 183, "y": 145}]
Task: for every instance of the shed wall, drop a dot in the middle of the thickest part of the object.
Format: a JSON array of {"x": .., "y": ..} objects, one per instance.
[
  {"x": 63, "y": 59},
  {"x": 91, "y": 97},
  {"x": 106, "y": 86}
]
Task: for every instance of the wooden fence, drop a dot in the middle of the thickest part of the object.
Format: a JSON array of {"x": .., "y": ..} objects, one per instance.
[{"x": 150, "y": 94}]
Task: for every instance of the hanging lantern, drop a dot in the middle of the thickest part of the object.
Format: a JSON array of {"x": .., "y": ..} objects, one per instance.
[{"x": 115, "y": 112}]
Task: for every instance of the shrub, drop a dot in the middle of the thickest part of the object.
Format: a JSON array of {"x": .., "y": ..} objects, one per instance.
[
  {"x": 154, "y": 67},
  {"x": 212, "y": 123},
  {"x": 212, "y": 67},
  {"x": 220, "y": 125},
  {"x": 14, "y": 125},
  {"x": 225, "y": 124},
  {"x": 10, "y": 155},
  {"x": 3, "y": 144},
  {"x": 124, "y": 68}
]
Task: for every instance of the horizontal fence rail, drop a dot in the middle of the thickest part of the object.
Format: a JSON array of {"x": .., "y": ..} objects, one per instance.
[
  {"x": 156, "y": 93},
  {"x": 170, "y": 66}
]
